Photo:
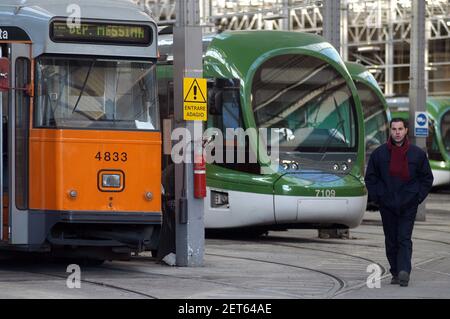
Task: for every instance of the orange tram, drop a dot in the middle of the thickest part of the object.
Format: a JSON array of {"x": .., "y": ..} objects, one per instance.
[{"x": 81, "y": 164}]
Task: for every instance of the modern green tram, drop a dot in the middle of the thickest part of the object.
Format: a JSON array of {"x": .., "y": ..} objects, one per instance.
[
  {"x": 296, "y": 86},
  {"x": 375, "y": 108},
  {"x": 438, "y": 140}
]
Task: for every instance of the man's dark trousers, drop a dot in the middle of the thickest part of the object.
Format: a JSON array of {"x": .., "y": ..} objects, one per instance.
[{"x": 398, "y": 227}]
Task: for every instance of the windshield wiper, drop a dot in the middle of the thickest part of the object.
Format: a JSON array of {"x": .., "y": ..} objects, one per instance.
[
  {"x": 335, "y": 130},
  {"x": 84, "y": 85}
]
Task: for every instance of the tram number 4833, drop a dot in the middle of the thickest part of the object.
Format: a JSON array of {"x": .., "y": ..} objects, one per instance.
[
  {"x": 114, "y": 156},
  {"x": 325, "y": 193}
]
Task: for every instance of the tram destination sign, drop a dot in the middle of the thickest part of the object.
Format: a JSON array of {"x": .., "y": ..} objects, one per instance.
[
  {"x": 13, "y": 34},
  {"x": 101, "y": 33}
]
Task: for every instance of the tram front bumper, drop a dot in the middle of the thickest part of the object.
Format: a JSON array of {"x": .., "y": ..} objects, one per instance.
[
  {"x": 441, "y": 177},
  {"x": 345, "y": 211}
]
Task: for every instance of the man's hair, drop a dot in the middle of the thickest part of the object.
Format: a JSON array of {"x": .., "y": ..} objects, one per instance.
[{"x": 399, "y": 119}]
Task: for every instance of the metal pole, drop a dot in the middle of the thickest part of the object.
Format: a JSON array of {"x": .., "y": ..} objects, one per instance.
[
  {"x": 285, "y": 22},
  {"x": 205, "y": 13},
  {"x": 190, "y": 228},
  {"x": 344, "y": 30},
  {"x": 332, "y": 32},
  {"x": 332, "y": 22},
  {"x": 389, "y": 51},
  {"x": 417, "y": 91}
]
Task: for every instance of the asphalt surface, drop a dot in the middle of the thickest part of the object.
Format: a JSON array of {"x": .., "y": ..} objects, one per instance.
[{"x": 292, "y": 264}]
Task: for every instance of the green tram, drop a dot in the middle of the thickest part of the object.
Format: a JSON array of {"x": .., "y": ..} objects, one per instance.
[
  {"x": 296, "y": 85},
  {"x": 438, "y": 141},
  {"x": 375, "y": 108}
]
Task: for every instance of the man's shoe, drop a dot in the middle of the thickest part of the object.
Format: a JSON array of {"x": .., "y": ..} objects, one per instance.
[
  {"x": 403, "y": 278},
  {"x": 394, "y": 280}
]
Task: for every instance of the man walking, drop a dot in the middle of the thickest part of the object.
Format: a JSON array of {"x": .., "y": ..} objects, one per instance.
[{"x": 398, "y": 179}]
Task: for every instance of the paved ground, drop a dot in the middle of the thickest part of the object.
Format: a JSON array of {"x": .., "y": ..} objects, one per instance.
[{"x": 293, "y": 264}]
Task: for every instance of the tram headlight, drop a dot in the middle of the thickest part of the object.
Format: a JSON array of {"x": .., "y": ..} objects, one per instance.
[
  {"x": 294, "y": 166},
  {"x": 285, "y": 166},
  {"x": 148, "y": 196},
  {"x": 73, "y": 193},
  {"x": 219, "y": 199},
  {"x": 111, "y": 180},
  {"x": 344, "y": 167},
  {"x": 335, "y": 167}
]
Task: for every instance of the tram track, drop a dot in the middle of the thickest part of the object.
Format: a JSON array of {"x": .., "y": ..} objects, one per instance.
[
  {"x": 86, "y": 281},
  {"x": 416, "y": 265},
  {"x": 344, "y": 286},
  {"x": 339, "y": 283},
  {"x": 436, "y": 231},
  {"x": 220, "y": 283},
  {"x": 371, "y": 261},
  {"x": 378, "y": 224},
  {"x": 311, "y": 241},
  {"x": 414, "y": 237},
  {"x": 267, "y": 240}
]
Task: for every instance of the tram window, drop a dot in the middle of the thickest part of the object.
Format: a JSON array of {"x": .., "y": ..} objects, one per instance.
[
  {"x": 445, "y": 131},
  {"x": 230, "y": 120},
  {"x": 231, "y": 110},
  {"x": 96, "y": 94},
  {"x": 230, "y": 116},
  {"x": 307, "y": 103},
  {"x": 432, "y": 145},
  {"x": 21, "y": 132},
  {"x": 375, "y": 118}
]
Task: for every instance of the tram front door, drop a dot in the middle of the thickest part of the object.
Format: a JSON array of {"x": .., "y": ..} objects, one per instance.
[
  {"x": 15, "y": 77},
  {"x": 4, "y": 85}
]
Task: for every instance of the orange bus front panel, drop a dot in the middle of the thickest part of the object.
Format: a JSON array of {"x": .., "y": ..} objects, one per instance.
[{"x": 86, "y": 170}]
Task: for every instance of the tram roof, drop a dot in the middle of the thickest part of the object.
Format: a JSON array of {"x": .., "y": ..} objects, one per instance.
[
  {"x": 360, "y": 72},
  {"x": 250, "y": 45},
  {"x": 34, "y": 16},
  {"x": 435, "y": 105}
]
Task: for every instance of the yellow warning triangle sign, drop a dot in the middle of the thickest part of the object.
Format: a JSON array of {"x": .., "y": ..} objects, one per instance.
[{"x": 195, "y": 94}]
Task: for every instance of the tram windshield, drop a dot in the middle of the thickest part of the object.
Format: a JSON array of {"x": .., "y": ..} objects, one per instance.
[
  {"x": 432, "y": 145},
  {"x": 445, "y": 131},
  {"x": 375, "y": 117},
  {"x": 96, "y": 94},
  {"x": 306, "y": 103}
]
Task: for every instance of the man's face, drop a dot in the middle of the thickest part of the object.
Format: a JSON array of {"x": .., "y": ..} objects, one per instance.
[{"x": 398, "y": 132}]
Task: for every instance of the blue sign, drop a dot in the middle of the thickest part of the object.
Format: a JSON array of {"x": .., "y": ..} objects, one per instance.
[
  {"x": 421, "y": 124},
  {"x": 421, "y": 119}
]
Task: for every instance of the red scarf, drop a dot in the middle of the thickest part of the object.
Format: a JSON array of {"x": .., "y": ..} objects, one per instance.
[{"x": 399, "y": 161}]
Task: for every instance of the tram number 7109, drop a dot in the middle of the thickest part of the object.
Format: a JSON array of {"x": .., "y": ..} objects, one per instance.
[{"x": 325, "y": 193}]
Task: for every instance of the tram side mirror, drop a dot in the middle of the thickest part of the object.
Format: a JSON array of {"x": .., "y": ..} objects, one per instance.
[
  {"x": 216, "y": 87},
  {"x": 215, "y": 102},
  {"x": 4, "y": 74},
  {"x": 214, "y": 97}
]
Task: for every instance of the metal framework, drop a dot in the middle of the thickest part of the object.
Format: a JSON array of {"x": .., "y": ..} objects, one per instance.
[{"x": 374, "y": 32}]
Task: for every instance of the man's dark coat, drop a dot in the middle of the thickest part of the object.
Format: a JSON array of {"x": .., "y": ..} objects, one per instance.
[{"x": 392, "y": 192}]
